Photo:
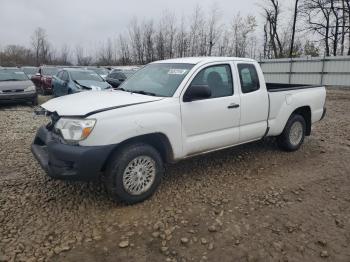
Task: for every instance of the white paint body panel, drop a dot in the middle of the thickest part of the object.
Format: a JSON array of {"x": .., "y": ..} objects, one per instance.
[
  {"x": 283, "y": 103},
  {"x": 193, "y": 127}
]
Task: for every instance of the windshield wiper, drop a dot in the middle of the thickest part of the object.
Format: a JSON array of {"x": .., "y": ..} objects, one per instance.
[
  {"x": 11, "y": 80},
  {"x": 142, "y": 92}
]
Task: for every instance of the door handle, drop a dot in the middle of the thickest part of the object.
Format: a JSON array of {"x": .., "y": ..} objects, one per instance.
[{"x": 233, "y": 105}]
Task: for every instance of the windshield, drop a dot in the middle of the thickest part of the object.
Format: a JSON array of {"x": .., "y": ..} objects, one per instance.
[
  {"x": 100, "y": 71},
  {"x": 159, "y": 79},
  {"x": 30, "y": 70},
  {"x": 12, "y": 75},
  {"x": 128, "y": 73},
  {"x": 49, "y": 71},
  {"x": 85, "y": 75}
]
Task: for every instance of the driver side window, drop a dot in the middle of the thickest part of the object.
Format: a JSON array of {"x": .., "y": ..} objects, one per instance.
[
  {"x": 65, "y": 76},
  {"x": 218, "y": 78},
  {"x": 59, "y": 75}
]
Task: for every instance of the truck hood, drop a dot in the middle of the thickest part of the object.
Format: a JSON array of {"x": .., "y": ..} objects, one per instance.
[
  {"x": 89, "y": 103},
  {"x": 15, "y": 85}
]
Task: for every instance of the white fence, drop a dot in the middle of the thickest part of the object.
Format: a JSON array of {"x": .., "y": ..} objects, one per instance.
[{"x": 330, "y": 71}]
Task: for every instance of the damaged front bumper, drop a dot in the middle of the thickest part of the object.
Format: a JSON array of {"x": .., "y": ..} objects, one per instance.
[{"x": 71, "y": 162}]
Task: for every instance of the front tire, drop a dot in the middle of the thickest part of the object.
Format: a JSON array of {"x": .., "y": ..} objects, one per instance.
[
  {"x": 134, "y": 173},
  {"x": 293, "y": 134},
  {"x": 35, "y": 101}
]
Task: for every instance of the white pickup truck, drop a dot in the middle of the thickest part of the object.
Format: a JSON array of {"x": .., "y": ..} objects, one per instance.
[{"x": 168, "y": 111}]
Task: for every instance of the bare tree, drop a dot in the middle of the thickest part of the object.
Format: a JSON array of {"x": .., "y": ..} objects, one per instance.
[
  {"x": 224, "y": 47},
  {"x": 293, "y": 28},
  {"x": 344, "y": 29},
  {"x": 148, "y": 43},
  {"x": 124, "y": 50},
  {"x": 136, "y": 41},
  {"x": 213, "y": 28},
  {"x": 168, "y": 22},
  {"x": 41, "y": 46},
  {"x": 347, "y": 7},
  {"x": 182, "y": 39},
  {"x": 242, "y": 29},
  {"x": 272, "y": 12},
  {"x": 15, "y": 55},
  {"x": 335, "y": 31},
  {"x": 195, "y": 28},
  {"x": 318, "y": 18},
  {"x": 64, "y": 57},
  {"x": 160, "y": 43},
  {"x": 82, "y": 60}
]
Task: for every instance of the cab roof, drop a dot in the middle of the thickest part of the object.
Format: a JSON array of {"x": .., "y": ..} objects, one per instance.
[{"x": 204, "y": 59}]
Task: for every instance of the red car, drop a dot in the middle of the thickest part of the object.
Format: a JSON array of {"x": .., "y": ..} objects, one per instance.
[{"x": 42, "y": 79}]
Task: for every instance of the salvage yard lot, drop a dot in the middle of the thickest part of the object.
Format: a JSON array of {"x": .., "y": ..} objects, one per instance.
[{"x": 250, "y": 203}]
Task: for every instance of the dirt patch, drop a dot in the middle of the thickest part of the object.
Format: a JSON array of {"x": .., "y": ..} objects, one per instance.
[{"x": 250, "y": 203}]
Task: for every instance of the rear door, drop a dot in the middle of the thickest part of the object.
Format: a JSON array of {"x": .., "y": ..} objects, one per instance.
[
  {"x": 254, "y": 102},
  {"x": 212, "y": 123}
]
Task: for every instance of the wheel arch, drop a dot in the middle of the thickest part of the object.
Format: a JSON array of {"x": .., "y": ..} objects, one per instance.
[
  {"x": 158, "y": 140},
  {"x": 305, "y": 112}
]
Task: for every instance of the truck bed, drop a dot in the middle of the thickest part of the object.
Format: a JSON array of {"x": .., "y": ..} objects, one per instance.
[
  {"x": 277, "y": 87},
  {"x": 285, "y": 98}
]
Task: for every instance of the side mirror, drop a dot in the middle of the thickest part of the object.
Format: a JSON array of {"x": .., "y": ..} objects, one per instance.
[{"x": 197, "y": 92}]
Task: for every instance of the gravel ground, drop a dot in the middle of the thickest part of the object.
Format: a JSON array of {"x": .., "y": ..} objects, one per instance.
[{"x": 250, "y": 203}]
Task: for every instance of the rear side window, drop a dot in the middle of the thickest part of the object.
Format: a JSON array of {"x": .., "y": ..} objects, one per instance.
[{"x": 248, "y": 77}]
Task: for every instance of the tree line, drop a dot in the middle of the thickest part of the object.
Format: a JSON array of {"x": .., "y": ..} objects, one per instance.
[
  {"x": 324, "y": 23},
  {"x": 310, "y": 28}
]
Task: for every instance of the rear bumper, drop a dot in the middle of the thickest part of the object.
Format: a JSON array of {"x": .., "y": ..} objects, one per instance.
[
  {"x": 24, "y": 96},
  {"x": 68, "y": 162}
]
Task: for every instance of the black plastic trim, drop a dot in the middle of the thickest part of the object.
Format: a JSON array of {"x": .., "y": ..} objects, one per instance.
[
  {"x": 69, "y": 162},
  {"x": 287, "y": 87}
]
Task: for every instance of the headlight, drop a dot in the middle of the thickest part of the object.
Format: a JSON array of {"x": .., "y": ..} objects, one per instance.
[
  {"x": 29, "y": 89},
  {"x": 75, "y": 129}
]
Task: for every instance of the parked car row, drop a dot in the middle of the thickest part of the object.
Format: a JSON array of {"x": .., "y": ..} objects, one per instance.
[
  {"x": 64, "y": 82},
  {"x": 15, "y": 84}
]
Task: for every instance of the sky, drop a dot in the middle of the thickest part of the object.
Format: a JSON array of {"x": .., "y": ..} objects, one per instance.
[{"x": 89, "y": 23}]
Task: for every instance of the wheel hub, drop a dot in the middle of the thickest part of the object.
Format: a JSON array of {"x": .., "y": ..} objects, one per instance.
[
  {"x": 296, "y": 133},
  {"x": 139, "y": 175}
]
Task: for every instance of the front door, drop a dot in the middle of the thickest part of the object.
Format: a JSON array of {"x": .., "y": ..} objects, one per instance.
[{"x": 211, "y": 123}]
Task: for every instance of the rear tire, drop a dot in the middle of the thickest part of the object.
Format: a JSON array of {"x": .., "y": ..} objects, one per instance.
[
  {"x": 293, "y": 134},
  {"x": 134, "y": 173}
]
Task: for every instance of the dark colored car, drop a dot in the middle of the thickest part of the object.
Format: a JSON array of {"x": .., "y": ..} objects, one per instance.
[
  {"x": 117, "y": 76},
  {"x": 74, "y": 80},
  {"x": 15, "y": 86},
  {"x": 103, "y": 72},
  {"x": 42, "y": 79},
  {"x": 29, "y": 70}
]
